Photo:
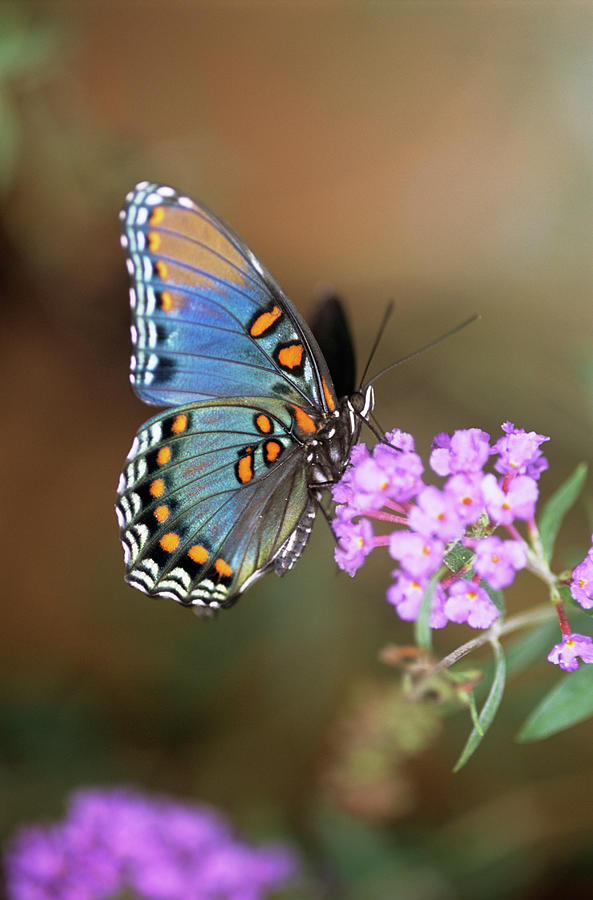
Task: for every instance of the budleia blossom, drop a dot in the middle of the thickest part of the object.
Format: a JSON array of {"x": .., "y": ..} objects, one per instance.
[
  {"x": 151, "y": 848},
  {"x": 498, "y": 561},
  {"x": 519, "y": 452},
  {"x": 573, "y": 647},
  {"x": 384, "y": 500},
  {"x": 581, "y": 586}
]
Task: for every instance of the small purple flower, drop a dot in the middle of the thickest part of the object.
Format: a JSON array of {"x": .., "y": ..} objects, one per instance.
[
  {"x": 418, "y": 555},
  {"x": 342, "y": 492},
  {"x": 406, "y": 594},
  {"x": 466, "y": 494},
  {"x": 581, "y": 586},
  {"x": 435, "y": 515},
  {"x": 466, "y": 451},
  {"x": 468, "y": 602},
  {"x": 370, "y": 483},
  {"x": 497, "y": 561},
  {"x": 404, "y": 470},
  {"x": 400, "y": 439},
  {"x": 518, "y": 502},
  {"x": 386, "y": 474},
  {"x": 519, "y": 452},
  {"x": 355, "y": 542},
  {"x": 567, "y": 653},
  {"x": 358, "y": 453},
  {"x": 114, "y": 841}
]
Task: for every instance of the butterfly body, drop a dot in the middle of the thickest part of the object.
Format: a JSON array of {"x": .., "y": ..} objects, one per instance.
[{"x": 224, "y": 485}]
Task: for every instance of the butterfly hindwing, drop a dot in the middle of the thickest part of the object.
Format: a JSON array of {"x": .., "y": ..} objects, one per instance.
[
  {"x": 213, "y": 494},
  {"x": 208, "y": 319}
]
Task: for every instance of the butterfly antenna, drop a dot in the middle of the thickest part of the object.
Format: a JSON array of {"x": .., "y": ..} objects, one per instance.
[
  {"x": 373, "y": 425},
  {"x": 430, "y": 346},
  {"x": 376, "y": 428},
  {"x": 382, "y": 326}
]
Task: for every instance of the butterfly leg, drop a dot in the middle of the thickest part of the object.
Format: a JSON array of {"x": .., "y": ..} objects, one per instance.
[{"x": 295, "y": 544}]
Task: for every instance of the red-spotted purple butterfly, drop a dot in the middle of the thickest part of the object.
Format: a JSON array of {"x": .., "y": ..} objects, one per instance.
[{"x": 224, "y": 485}]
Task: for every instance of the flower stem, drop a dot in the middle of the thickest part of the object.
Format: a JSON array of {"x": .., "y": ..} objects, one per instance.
[
  {"x": 564, "y": 623},
  {"x": 523, "y": 620},
  {"x": 383, "y": 516}
]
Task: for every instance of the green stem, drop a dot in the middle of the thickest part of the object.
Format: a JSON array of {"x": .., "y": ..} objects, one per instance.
[{"x": 523, "y": 620}]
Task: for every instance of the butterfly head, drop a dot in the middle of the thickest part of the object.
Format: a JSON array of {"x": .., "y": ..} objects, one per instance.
[
  {"x": 362, "y": 402},
  {"x": 329, "y": 451}
]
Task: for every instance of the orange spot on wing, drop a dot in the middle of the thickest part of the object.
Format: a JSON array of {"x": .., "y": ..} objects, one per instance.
[
  {"x": 157, "y": 488},
  {"x": 166, "y": 301},
  {"x": 245, "y": 469},
  {"x": 223, "y": 568},
  {"x": 163, "y": 456},
  {"x": 273, "y": 450},
  {"x": 265, "y": 321},
  {"x": 157, "y": 215},
  {"x": 304, "y": 420},
  {"x": 161, "y": 513},
  {"x": 180, "y": 423},
  {"x": 161, "y": 268},
  {"x": 170, "y": 302},
  {"x": 329, "y": 398},
  {"x": 169, "y": 542},
  {"x": 291, "y": 357},
  {"x": 263, "y": 423},
  {"x": 154, "y": 241},
  {"x": 198, "y": 553}
]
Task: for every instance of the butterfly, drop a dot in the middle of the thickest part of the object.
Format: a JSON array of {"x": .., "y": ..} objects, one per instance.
[{"x": 225, "y": 483}]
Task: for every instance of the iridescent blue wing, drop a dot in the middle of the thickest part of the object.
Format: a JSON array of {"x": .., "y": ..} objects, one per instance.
[
  {"x": 213, "y": 495},
  {"x": 208, "y": 319}
]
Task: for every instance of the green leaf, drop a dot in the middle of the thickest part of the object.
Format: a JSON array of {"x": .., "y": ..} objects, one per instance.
[
  {"x": 471, "y": 701},
  {"x": 458, "y": 557},
  {"x": 557, "y": 507},
  {"x": 422, "y": 632},
  {"x": 569, "y": 702},
  {"x": 532, "y": 646},
  {"x": 564, "y": 591},
  {"x": 489, "y": 709}
]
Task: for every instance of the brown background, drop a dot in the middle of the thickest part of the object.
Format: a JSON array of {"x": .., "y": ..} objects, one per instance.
[{"x": 437, "y": 154}]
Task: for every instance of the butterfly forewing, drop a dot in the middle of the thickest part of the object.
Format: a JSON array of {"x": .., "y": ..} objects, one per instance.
[{"x": 208, "y": 319}]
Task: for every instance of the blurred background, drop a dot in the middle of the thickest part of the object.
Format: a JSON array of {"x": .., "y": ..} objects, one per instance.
[{"x": 435, "y": 154}]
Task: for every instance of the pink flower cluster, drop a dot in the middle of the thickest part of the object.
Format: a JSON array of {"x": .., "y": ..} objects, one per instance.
[{"x": 386, "y": 485}]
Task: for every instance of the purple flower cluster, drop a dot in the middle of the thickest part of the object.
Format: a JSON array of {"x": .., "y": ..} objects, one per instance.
[
  {"x": 386, "y": 485},
  {"x": 155, "y": 848}
]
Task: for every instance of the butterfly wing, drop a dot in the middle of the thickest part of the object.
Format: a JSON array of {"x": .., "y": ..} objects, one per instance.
[
  {"x": 329, "y": 324},
  {"x": 208, "y": 319},
  {"x": 213, "y": 494}
]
